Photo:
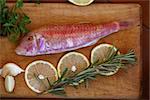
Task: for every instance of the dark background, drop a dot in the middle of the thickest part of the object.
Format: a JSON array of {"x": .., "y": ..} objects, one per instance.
[{"x": 144, "y": 37}]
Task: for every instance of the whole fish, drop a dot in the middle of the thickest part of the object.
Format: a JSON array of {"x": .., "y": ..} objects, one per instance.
[{"x": 60, "y": 38}]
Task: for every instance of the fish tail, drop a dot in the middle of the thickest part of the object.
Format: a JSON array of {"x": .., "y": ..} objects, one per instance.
[{"x": 127, "y": 24}]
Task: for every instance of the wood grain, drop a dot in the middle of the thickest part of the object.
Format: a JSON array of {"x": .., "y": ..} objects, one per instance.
[
  {"x": 125, "y": 84},
  {"x": 102, "y": 1}
]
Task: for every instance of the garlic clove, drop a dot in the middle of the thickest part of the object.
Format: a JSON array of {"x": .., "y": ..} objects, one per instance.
[
  {"x": 11, "y": 69},
  {"x": 9, "y": 83}
]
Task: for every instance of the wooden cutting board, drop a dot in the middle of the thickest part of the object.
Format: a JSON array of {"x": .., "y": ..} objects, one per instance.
[{"x": 124, "y": 84}]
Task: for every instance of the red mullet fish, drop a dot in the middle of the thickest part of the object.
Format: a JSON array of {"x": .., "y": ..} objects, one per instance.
[{"x": 60, "y": 38}]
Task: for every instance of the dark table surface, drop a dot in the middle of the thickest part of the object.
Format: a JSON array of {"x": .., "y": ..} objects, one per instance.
[{"x": 145, "y": 37}]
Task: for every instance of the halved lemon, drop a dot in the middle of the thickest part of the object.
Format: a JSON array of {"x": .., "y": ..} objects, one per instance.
[
  {"x": 74, "y": 61},
  {"x": 102, "y": 53},
  {"x": 39, "y": 75},
  {"x": 81, "y": 2}
]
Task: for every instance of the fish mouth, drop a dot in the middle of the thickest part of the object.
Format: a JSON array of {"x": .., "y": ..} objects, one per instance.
[
  {"x": 23, "y": 52},
  {"x": 20, "y": 51}
]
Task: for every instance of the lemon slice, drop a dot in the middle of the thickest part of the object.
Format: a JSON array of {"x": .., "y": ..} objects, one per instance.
[
  {"x": 81, "y": 2},
  {"x": 38, "y": 74},
  {"x": 74, "y": 61},
  {"x": 102, "y": 53}
]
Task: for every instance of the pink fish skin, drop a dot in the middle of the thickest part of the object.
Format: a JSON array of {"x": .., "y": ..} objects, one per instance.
[{"x": 60, "y": 38}]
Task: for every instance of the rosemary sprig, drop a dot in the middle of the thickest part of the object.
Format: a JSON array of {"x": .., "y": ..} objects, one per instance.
[{"x": 115, "y": 61}]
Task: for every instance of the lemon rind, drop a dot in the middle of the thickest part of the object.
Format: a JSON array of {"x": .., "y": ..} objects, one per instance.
[
  {"x": 68, "y": 54},
  {"x": 33, "y": 63},
  {"x": 81, "y": 4}
]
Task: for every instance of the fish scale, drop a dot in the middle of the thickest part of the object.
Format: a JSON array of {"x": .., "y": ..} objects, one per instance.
[{"x": 60, "y": 38}]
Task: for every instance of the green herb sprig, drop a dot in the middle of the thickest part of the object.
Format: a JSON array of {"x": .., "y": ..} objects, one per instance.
[
  {"x": 113, "y": 63},
  {"x": 13, "y": 21}
]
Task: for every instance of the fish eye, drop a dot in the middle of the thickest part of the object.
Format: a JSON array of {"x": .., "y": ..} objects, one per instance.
[{"x": 30, "y": 38}]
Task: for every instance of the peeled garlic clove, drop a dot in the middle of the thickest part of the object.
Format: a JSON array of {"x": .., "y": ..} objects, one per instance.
[
  {"x": 9, "y": 83},
  {"x": 11, "y": 69}
]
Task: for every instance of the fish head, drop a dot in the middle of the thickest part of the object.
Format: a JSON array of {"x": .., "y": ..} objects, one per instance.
[{"x": 28, "y": 45}]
